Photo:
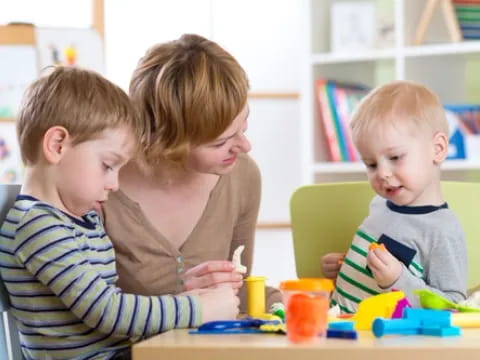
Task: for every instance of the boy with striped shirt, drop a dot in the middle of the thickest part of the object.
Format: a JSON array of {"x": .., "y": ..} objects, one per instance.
[
  {"x": 401, "y": 133},
  {"x": 76, "y": 130}
]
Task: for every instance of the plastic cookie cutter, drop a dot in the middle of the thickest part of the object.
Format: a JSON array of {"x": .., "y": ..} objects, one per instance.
[
  {"x": 431, "y": 300},
  {"x": 236, "y": 260},
  {"x": 243, "y": 326}
]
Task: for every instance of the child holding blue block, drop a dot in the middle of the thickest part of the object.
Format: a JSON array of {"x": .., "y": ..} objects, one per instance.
[{"x": 400, "y": 131}]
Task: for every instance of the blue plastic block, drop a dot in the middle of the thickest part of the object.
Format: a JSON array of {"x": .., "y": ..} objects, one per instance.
[
  {"x": 382, "y": 327},
  {"x": 428, "y": 317},
  {"x": 441, "y": 331},
  {"x": 341, "y": 325},
  {"x": 342, "y": 334}
]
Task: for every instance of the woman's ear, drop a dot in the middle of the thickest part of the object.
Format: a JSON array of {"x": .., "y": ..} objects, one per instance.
[
  {"x": 440, "y": 147},
  {"x": 54, "y": 142}
]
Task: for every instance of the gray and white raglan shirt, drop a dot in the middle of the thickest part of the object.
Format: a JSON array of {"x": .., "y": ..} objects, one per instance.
[{"x": 428, "y": 240}]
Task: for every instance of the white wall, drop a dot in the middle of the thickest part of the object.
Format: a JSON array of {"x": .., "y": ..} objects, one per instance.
[
  {"x": 273, "y": 256},
  {"x": 46, "y": 13}
]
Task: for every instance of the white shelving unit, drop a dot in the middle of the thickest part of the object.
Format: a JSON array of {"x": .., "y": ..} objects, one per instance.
[{"x": 443, "y": 66}]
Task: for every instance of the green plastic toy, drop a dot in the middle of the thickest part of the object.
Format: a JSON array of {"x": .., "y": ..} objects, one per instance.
[{"x": 431, "y": 300}]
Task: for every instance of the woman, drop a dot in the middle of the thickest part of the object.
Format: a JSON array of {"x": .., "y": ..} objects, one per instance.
[{"x": 193, "y": 198}]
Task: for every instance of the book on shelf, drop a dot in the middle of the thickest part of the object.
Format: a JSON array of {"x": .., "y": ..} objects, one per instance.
[
  {"x": 464, "y": 123},
  {"x": 468, "y": 16},
  {"x": 326, "y": 121},
  {"x": 336, "y": 102}
]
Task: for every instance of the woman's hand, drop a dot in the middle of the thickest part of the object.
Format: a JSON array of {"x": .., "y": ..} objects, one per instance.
[{"x": 212, "y": 274}]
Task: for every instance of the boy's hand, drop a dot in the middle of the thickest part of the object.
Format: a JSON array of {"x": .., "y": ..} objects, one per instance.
[
  {"x": 331, "y": 264},
  {"x": 219, "y": 304},
  {"x": 386, "y": 269},
  {"x": 211, "y": 274}
]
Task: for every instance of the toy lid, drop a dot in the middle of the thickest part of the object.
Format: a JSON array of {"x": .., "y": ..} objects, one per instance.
[
  {"x": 308, "y": 284},
  {"x": 254, "y": 278}
]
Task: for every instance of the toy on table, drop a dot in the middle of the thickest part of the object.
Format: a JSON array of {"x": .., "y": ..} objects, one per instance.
[
  {"x": 381, "y": 305},
  {"x": 386, "y": 305},
  {"x": 236, "y": 260},
  {"x": 255, "y": 296},
  {"x": 466, "y": 320},
  {"x": 402, "y": 304},
  {"x": 242, "y": 326},
  {"x": 278, "y": 309},
  {"x": 306, "y": 303},
  {"x": 431, "y": 300},
  {"x": 264, "y": 323},
  {"x": 341, "y": 325},
  {"x": 255, "y": 291},
  {"x": 342, "y": 330},
  {"x": 417, "y": 322},
  {"x": 342, "y": 334},
  {"x": 255, "y": 286}
]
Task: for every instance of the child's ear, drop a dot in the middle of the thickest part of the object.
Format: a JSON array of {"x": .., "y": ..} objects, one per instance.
[
  {"x": 440, "y": 147},
  {"x": 54, "y": 142}
]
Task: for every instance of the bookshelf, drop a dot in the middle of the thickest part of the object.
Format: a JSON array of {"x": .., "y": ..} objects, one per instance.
[{"x": 445, "y": 66}]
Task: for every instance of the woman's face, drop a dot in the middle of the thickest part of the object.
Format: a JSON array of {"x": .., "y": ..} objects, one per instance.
[{"x": 219, "y": 156}]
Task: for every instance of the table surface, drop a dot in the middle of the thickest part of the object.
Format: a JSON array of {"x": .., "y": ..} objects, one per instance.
[{"x": 179, "y": 344}]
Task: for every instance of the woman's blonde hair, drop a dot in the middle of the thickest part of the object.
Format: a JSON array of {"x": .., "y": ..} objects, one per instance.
[
  {"x": 399, "y": 102},
  {"x": 187, "y": 92},
  {"x": 81, "y": 101}
]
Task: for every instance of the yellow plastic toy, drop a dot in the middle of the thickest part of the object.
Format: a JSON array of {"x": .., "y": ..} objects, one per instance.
[
  {"x": 255, "y": 296},
  {"x": 375, "y": 245},
  {"x": 382, "y": 305},
  {"x": 466, "y": 320}
]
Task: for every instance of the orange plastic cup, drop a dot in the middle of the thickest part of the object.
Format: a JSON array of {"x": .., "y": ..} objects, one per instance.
[{"x": 306, "y": 302}]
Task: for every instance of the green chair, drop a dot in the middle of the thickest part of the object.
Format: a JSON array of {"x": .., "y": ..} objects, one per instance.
[
  {"x": 9, "y": 341},
  {"x": 325, "y": 216}
]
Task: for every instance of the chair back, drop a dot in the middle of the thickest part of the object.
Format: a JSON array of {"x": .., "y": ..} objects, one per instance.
[
  {"x": 325, "y": 217},
  {"x": 9, "y": 341}
]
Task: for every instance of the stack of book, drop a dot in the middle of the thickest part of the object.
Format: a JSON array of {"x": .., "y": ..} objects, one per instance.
[
  {"x": 464, "y": 123},
  {"x": 336, "y": 102},
  {"x": 468, "y": 15}
]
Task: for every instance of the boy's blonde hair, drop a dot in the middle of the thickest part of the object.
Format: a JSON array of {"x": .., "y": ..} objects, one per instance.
[
  {"x": 82, "y": 101},
  {"x": 399, "y": 102},
  {"x": 187, "y": 92}
]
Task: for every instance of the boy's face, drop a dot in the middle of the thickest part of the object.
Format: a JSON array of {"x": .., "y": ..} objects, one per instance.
[
  {"x": 401, "y": 165},
  {"x": 88, "y": 171},
  {"x": 219, "y": 156}
]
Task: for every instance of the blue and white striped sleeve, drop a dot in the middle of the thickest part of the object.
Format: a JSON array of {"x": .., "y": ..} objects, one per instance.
[{"x": 47, "y": 247}]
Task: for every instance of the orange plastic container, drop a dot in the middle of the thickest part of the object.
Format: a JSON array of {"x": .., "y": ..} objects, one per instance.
[{"x": 306, "y": 304}]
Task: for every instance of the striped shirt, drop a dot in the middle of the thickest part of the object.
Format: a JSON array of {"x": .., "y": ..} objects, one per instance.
[
  {"x": 60, "y": 274},
  {"x": 432, "y": 233}
]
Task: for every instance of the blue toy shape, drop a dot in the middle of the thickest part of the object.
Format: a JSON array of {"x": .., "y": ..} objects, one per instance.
[
  {"x": 383, "y": 327},
  {"x": 342, "y": 334}
]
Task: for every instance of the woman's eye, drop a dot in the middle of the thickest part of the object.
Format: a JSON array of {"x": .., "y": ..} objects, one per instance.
[{"x": 107, "y": 167}]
